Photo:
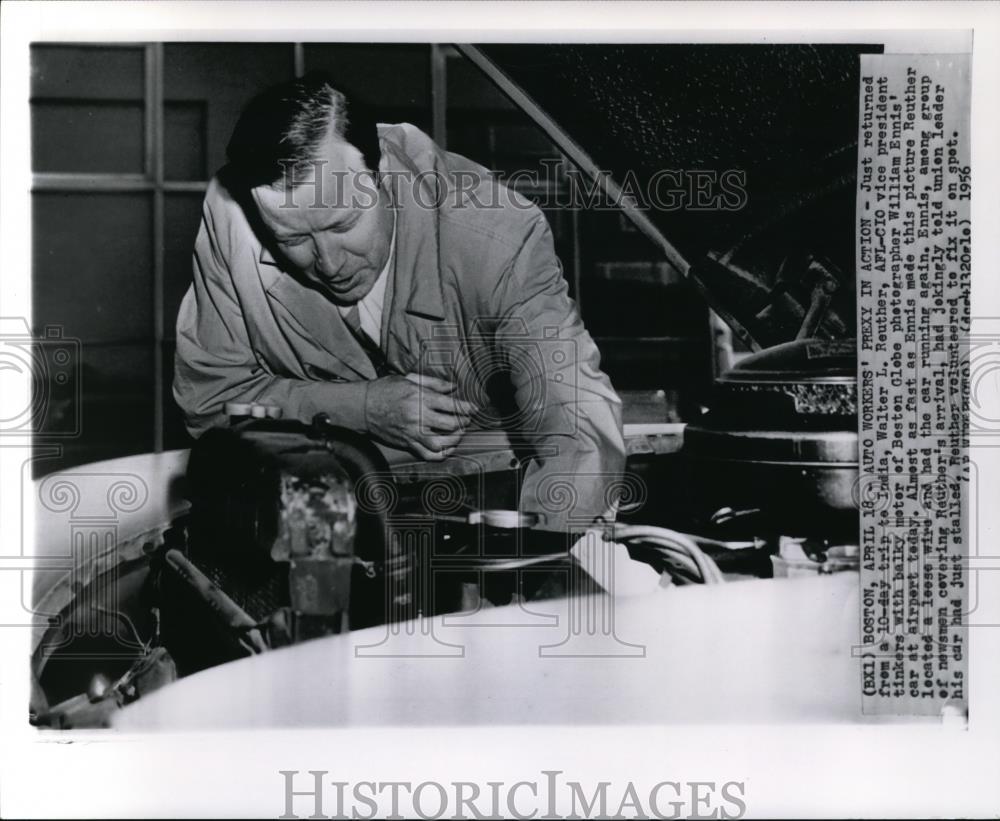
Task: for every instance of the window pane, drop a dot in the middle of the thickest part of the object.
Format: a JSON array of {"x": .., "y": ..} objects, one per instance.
[
  {"x": 87, "y": 137},
  {"x": 184, "y": 149},
  {"x": 87, "y": 109},
  {"x": 92, "y": 276},
  {"x": 93, "y": 265},
  {"x": 87, "y": 72},
  {"x": 393, "y": 78},
  {"x": 210, "y": 83}
]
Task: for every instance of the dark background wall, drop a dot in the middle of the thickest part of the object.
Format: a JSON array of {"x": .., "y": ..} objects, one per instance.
[{"x": 125, "y": 138}]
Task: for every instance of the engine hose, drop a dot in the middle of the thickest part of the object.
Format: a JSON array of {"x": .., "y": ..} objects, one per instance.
[{"x": 671, "y": 539}]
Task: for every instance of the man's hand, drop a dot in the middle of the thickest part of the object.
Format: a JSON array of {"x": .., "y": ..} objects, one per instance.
[{"x": 418, "y": 413}]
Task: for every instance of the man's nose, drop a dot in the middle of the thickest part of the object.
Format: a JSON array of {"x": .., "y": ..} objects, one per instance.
[{"x": 329, "y": 256}]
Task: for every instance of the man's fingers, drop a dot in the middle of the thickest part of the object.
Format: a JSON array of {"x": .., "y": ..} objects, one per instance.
[
  {"x": 432, "y": 382},
  {"x": 439, "y": 394},
  {"x": 431, "y": 455},
  {"x": 436, "y": 446},
  {"x": 424, "y": 453},
  {"x": 441, "y": 422},
  {"x": 436, "y": 443},
  {"x": 449, "y": 404}
]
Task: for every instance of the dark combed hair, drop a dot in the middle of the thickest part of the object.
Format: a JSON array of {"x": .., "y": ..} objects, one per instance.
[{"x": 281, "y": 130}]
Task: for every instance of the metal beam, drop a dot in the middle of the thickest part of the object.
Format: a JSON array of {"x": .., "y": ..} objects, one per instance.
[
  {"x": 90, "y": 182},
  {"x": 185, "y": 186},
  {"x": 575, "y": 152},
  {"x": 439, "y": 95},
  {"x": 155, "y": 79}
]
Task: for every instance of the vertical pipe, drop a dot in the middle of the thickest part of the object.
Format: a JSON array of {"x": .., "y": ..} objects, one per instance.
[
  {"x": 439, "y": 95},
  {"x": 154, "y": 77},
  {"x": 299, "y": 57},
  {"x": 149, "y": 114}
]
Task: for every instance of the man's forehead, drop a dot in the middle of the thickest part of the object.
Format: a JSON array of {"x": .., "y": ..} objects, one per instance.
[{"x": 335, "y": 179}]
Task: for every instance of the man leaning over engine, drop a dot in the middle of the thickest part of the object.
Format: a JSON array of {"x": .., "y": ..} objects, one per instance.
[{"x": 357, "y": 269}]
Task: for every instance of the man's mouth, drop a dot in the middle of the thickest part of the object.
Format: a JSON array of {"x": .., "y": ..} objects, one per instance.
[
  {"x": 340, "y": 282},
  {"x": 341, "y": 285}
]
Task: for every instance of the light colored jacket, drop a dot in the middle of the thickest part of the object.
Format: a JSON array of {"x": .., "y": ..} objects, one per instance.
[{"x": 476, "y": 289}]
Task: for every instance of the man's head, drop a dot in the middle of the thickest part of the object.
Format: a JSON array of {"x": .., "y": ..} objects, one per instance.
[{"x": 309, "y": 156}]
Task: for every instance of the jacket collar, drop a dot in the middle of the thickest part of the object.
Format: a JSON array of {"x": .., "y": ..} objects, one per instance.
[{"x": 417, "y": 269}]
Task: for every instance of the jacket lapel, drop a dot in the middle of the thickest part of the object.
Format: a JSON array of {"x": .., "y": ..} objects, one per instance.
[
  {"x": 417, "y": 304},
  {"x": 319, "y": 326}
]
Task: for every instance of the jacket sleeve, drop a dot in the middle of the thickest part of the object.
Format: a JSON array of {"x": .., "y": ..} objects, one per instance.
[
  {"x": 568, "y": 411},
  {"x": 215, "y": 362}
]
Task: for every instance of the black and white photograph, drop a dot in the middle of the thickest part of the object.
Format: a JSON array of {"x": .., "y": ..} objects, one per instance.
[{"x": 404, "y": 421}]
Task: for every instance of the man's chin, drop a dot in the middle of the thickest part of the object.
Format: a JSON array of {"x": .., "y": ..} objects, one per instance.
[{"x": 350, "y": 292}]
